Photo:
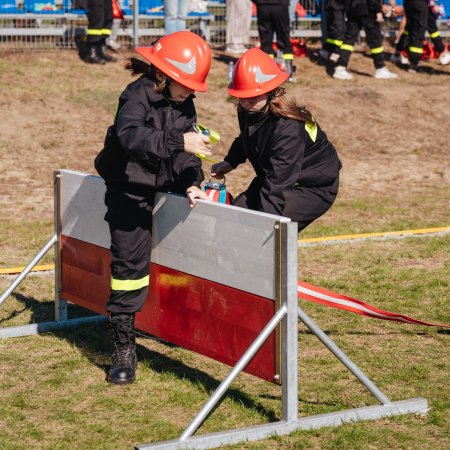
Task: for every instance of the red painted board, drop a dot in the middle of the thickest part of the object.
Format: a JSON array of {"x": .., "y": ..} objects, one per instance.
[{"x": 209, "y": 318}]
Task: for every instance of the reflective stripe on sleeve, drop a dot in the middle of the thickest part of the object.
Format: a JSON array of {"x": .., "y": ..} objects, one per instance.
[
  {"x": 435, "y": 34},
  {"x": 129, "y": 285},
  {"x": 288, "y": 56}
]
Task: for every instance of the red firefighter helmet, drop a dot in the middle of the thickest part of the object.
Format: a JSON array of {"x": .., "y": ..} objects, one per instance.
[
  {"x": 183, "y": 56},
  {"x": 255, "y": 73}
]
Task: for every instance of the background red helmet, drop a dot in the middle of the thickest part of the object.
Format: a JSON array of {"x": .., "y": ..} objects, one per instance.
[
  {"x": 183, "y": 56},
  {"x": 255, "y": 73}
]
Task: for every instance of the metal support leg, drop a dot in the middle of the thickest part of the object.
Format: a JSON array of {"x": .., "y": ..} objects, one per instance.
[
  {"x": 240, "y": 365},
  {"x": 28, "y": 268},
  {"x": 369, "y": 384}
]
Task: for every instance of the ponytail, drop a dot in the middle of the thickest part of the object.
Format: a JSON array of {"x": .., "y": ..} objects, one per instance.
[
  {"x": 282, "y": 106},
  {"x": 138, "y": 67}
]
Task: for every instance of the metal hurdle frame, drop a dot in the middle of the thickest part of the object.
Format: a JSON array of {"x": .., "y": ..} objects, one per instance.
[
  {"x": 61, "y": 318},
  {"x": 286, "y": 316}
]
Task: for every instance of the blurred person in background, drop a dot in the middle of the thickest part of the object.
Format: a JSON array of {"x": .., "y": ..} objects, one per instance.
[
  {"x": 367, "y": 15},
  {"x": 416, "y": 12},
  {"x": 273, "y": 17},
  {"x": 175, "y": 15},
  {"x": 297, "y": 167},
  {"x": 335, "y": 29},
  {"x": 434, "y": 12},
  {"x": 150, "y": 148},
  {"x": 100, "y": 20},
  {"x": 239, "y": 17},
  {"x": 118, "y": 18}
]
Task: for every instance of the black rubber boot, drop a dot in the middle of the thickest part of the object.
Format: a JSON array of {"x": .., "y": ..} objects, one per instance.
[
  {"x": 92, "y": 55},
  {"x": 124, "y": 361},
  {"x": 102, "y": 52}
]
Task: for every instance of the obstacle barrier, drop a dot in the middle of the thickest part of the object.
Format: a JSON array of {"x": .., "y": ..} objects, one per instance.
[{"x": 223, "y": 284}]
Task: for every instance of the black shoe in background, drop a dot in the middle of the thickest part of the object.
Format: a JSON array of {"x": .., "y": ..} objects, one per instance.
[
  {"x": 102, "y": 53},
  {"x": 92, "y": 55}
]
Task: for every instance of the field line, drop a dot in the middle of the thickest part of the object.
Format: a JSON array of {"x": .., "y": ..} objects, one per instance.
[
  {"x": 301, "y": 243},
  {"x": 368, "y": 236}
]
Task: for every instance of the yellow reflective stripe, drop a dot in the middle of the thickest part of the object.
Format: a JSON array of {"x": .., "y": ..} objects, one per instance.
[
  {"x": 416, "y": 49},
  {"x": 102, "y": 32},
  {"x": 347, "y": 47},
  {"x": 406, "y": 33},
  {"x": 435, "y": 34},
  {"x": 374, "y": 51},
  {"x": 288, "y": 56},
  {"x": 129, "y": 285},
  {"x": 334, "y": 42},
  {"x": 311, "y": 129}
]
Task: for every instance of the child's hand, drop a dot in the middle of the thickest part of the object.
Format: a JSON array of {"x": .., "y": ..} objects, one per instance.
[
  {"x": 196, "y": 143},
  {"x": 220, "y": 169},
  {"x": 193, "y": 193}
]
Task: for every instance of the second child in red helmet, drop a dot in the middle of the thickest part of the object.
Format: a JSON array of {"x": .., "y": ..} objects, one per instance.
[
  {"x": 150, "y": 148},
  {"x": 297, "y": 167}
]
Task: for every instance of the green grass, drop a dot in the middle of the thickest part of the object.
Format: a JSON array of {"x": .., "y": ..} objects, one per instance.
[{"x": 54, "y": 394}]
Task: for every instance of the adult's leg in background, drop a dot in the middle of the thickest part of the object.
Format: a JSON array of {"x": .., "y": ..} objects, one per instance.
[
  {"x": 239, "y": 16},
  {"x": 416, "y": 22}
]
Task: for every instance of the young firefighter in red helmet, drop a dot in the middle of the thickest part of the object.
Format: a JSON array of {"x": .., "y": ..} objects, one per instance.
[
  {"x": 297, "y": 168},
  {"x": 150, "y": 148}
]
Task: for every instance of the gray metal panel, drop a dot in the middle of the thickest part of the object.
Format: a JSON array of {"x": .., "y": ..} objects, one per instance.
[
  {"x": 83, "y": 208},
  {"x": 221, "y": 243},
  {"x": 228, "y": 245}
]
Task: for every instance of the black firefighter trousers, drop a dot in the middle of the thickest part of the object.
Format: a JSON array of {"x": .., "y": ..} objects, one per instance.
[
  {"x": 416, "y": 12},
  {"x": 303, "y": 204},
  {"x": 373, "y": 35},
  {"x": 335, "y": 10},
  {"x": 100, "y": 20},
  {"x": 130, "y": 224},
  {"x": 274, "y": 19},
  {"x": 433, "y": 31}
]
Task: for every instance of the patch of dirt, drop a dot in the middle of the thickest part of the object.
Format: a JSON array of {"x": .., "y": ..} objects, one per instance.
[{"x": 392, "y": 136}]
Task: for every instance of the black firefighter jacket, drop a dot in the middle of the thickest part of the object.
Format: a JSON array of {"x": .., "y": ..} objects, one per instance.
[
  {"x": 285, "y": 154},
  {"x": 144, "y": 148}
]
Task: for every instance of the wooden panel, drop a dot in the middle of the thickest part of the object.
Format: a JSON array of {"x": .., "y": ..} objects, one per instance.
[{"x": 209, "y": 318}]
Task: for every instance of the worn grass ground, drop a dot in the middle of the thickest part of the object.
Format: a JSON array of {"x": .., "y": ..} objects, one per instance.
[{"x": 393, "y": 140}]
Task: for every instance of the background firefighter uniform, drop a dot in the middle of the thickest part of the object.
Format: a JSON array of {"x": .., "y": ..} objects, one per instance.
[
  {"x": 100, "y": 20},
  {"x": 297, "y": 168},
  {"x": 143, "y": 154},
  {"x": 361, "y": 14},
  {"x": 273, "y": 17},
  {"x": 404, "y": 42},
  {"x": 335, "y": 10},
  {"x": 416, "y": 12}
]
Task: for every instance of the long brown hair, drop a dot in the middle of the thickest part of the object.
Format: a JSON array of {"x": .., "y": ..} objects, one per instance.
[
  {"x": 138, "y": 67},
  {"x": 280, "y": 105}
]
